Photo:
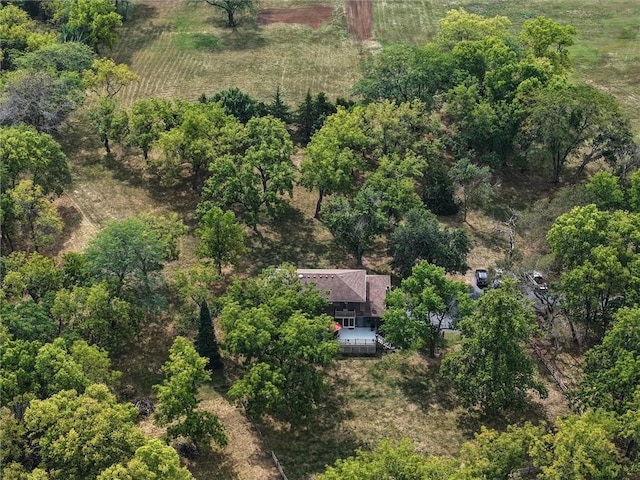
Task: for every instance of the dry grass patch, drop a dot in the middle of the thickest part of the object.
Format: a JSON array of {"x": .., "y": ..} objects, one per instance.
[{"x": 182, "y": 49}]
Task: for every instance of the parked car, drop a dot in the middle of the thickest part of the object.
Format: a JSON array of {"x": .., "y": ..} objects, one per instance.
[
  {"x": 482, "y": 278},
  {"x": 538, "y": 281}
]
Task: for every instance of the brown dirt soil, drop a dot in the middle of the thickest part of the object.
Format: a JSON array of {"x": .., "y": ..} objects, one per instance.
[
  {"x": 360, "y": 18},
  {"x": 312, "y": 15}
]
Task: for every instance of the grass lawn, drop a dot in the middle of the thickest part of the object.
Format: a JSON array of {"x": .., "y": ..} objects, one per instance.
[{"x": 399, "y": 395}]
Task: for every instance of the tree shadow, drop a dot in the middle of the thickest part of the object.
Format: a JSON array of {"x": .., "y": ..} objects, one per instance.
[
  {"x": 472, "y": 419},
  {"x": 424, "y": 386},
  {"x": 138, "y": 32},
  {"x": 306, "y": 449},
  {"x": 246, "y": 38},
  {"x": 212, "y": 464},
  {"x": 290, "y": 237}
]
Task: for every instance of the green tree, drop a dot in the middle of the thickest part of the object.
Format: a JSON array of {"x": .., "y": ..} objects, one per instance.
[
  {"x": 206, "y": 343},
  {"x": 18, "y": 380},
  {"x": 274, "y": 329},
  {"x": 405, "y": 130},
  {"x": 94, "y": 314},
  {"x": 232, "y": 8},
  {"x": 492, "y": 370},
  {"x": 311, "y": 114},
  {"x": 278, "y": 108},
  {"x": 76, "y": 436},
  {"x": 334, "y": 155},
  {"x": 459, "y": 25},
  {"x": 606, "y": 191},
  {"x": 59, "y": 368},
  {"x": 35, "y": 214},
  {"x": 60, "y": 57},
  {"x": 499, "y": 455},
  {"x": 184, "y": 374},
  {"x": 238, "y": 103},
  {"x": 543, "y": 37},
  {"x": 93, "y": 22},
  {"x": 420, "y": 237},
  {"x": 17, "y": 31},
  {"x": 260, "y": 174},
  {"x": 355, "y": 223},
  {"x": 106, "y": 78},
  {"x": 634, "y": 192},
  {"x": 473, "y": 182},
  {"x": 562, "y": 119},
  {"x": 592, "y": 290},
  {"x": 151, "y": 461},
  {"x": 147, "y": 119},
  {"x": 395, "y": 181},
  {"x": 130, "y": 252},
  {"x": 27, "y": 154},
  {"x": 402, "y": 73},
  {"x": 29, "y": 274},
  {"x": 417, "y": 311},
  {"x": 612, "y": 369},
  {"x": 106, "y": 121},
  {"x": 28, "y": 320},
  {"x": 204, "y": 135},
  {"x": 221, "y": 238},
  {"x": 581, "y": 447},
  {"x": 575, "y": 233},
  {"x": 602, "y": 267},
  {"x": 390, "y": 461}
]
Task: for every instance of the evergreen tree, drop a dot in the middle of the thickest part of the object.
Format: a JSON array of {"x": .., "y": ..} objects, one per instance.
[
  {"x": 305, "y": 118},
  {"x": 206, "y": 342},
  {"x": 278, "y": 108}
]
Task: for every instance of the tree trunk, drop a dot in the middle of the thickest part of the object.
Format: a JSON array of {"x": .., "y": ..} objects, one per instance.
[
  {"x": 319, "y": 204},
  {"x": 230, "y": 20},
  {"x": 359, "y": 253}
]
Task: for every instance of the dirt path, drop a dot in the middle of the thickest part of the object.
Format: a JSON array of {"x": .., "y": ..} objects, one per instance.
[{"x": 250, "y": 460}]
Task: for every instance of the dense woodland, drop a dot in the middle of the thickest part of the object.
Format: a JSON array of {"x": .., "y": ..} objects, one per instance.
[{"x": 430, "y": 132}]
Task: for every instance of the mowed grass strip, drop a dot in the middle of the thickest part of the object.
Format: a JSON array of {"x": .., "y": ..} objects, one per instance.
[{"x": 181, "y": 50}]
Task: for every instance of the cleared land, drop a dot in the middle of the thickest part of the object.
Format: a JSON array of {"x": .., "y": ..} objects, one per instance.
[{"x": 182, "y": 49}]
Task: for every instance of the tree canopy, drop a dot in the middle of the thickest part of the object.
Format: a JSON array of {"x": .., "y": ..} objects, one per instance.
[
  {"x": 425, "y": 303},
  {"x": 492, "y": 370},
  {"x": 184, "y": 374},
  {"x": 274, "y": 330}
]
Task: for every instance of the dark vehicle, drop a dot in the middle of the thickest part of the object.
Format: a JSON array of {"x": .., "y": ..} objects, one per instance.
[{"x": 482, "y": 278}]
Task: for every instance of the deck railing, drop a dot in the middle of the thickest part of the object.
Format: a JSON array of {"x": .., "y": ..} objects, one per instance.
[{"x": 345, "y": 314}]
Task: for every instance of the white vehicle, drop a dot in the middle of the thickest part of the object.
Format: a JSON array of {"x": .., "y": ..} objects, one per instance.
[{"x": 538, "y": 281}]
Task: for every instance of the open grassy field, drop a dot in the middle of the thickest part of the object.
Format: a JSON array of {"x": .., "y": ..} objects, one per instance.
[{"x": 182, "y": 49}]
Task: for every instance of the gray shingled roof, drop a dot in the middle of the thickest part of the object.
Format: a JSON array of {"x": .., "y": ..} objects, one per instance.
[
  {"x": 349, "y": 286},
  {"x": 339, "y": 285}
]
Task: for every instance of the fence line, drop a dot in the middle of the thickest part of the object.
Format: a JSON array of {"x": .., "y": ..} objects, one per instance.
[
  {"x": 277, "y": 464},
  {"x": 554, "y": 373}
]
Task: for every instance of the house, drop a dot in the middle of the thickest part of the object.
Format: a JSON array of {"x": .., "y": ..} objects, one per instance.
[{"x": 357, "y": 304}]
